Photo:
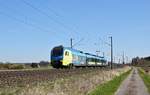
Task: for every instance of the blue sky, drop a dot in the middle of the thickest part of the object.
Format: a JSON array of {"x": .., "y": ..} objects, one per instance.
[{"x": 28, "y": 35}]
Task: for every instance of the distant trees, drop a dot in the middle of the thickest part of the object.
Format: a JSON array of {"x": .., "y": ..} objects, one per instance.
[
  {"x": 11, "y": 66},
  {"x": 35, "y": 65},
  {"x": 40, "y": 64},
  {"x": 44, "y": 63},
  {"x": 135, "y": 60},
  {"x": 141, "y": 61},
  {"x": 147, "y": 58}
]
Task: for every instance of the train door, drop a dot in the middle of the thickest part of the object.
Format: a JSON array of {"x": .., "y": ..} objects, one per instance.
[{"x": 67, "y": 57}]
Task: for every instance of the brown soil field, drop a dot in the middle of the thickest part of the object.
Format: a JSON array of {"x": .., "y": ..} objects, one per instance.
[
  {"x": 55, "y": 81},
  {"x": 31, "y": 77}
]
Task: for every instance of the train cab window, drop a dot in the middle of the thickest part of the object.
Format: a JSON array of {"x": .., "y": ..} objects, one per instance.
[
  {"x": 57, "y": 51},
  {"x": 66, "y": 53}
]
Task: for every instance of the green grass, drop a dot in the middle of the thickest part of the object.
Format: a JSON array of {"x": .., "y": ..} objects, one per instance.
[
  {"x": 110, "y": 87},
  {"x": 145, "y": 77}
]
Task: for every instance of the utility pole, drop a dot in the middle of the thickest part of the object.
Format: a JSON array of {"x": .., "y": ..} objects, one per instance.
[
  {"x": 71, "y": 43},
  {"x": 127, "y": 59},
  {"x": 103, "y": 54},
  {"x": 114, "y": 59},
  {"x": 123, "y": 58},
  {"x": 111, "y": 52},
  {"x": 119, "y": 61}
]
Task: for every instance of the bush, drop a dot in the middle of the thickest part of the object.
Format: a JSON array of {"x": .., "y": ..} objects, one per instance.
[
  {"x": 12, "y": 66},
  {"x": 17, "y": 66},
  {"x": 35, "y": 65}
]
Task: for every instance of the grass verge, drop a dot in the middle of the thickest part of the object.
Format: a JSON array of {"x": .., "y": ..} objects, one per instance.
[
  {"x": 146, "y": 78},
  {"x": 110, "y": 87}
]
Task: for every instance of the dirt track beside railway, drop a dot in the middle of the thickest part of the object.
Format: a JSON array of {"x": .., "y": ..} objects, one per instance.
[{"x": 133, "y": 85}]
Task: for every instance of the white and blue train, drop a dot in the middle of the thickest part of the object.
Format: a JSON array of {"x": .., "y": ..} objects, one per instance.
[{"x": 68, "y": 57}]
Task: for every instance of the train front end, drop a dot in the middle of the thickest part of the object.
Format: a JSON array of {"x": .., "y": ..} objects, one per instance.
[{"x": 57, "y": 57}]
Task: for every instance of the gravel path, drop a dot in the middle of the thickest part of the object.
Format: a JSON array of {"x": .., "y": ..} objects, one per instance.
[{"x": 133, "y": 85}]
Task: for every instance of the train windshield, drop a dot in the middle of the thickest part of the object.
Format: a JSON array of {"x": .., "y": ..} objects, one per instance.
[{"x": 57, "y": 51}]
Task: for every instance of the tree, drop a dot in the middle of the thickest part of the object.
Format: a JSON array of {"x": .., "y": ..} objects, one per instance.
[{"x": 135, "y": 61}]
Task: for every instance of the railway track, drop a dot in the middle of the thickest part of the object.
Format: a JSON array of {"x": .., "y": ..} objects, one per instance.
[{"x": 22, "y": 78}]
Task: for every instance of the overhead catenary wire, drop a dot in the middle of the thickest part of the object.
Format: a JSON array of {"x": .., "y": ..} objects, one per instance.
[
  {"x": 47, "y": 15},
  {"x": 54, "y": 12},
  {"x": 26, "y": 23},
  {"x": 100, "y": 44},
  {"x": 105, "y": 42},
  {"x": 27, "y": 20},
  {"x": 78, "y": 42},
  {"x": 35, "y": 25},
  {"x": 21, "y": 21}
]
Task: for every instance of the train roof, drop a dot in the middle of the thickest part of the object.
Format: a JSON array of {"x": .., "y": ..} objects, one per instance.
[
  {"x": 95, "y": 56},
  {"x": 81, "y": 52},
  {"x": 78, "y": 51},
  {"x": 74, "y": 50}
]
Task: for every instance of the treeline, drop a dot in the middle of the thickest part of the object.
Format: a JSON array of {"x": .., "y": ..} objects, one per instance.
[
  {"x": 38, "y": 65},
  {"x": 144, "y": 61},
  {"x": 9, "y": 65}
]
